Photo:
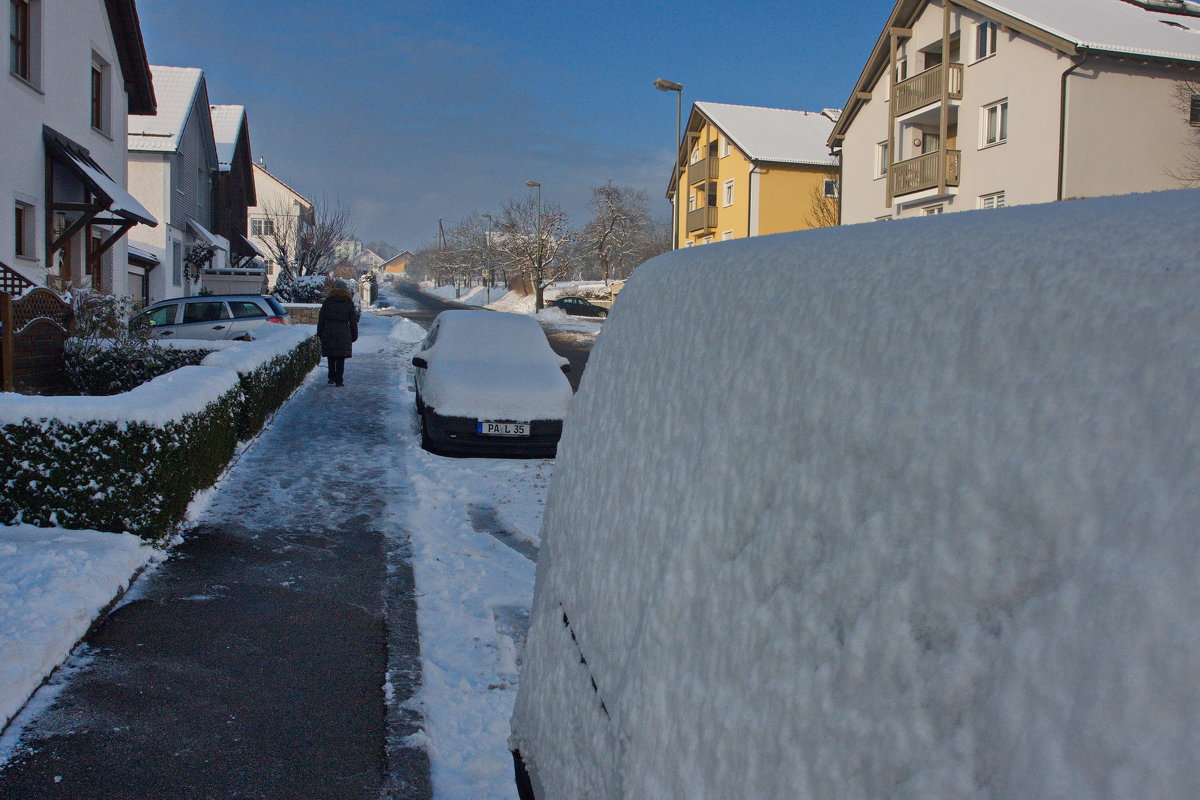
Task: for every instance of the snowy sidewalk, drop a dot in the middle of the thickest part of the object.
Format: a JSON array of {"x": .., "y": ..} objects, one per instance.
[{"x": 253, "y": 662}]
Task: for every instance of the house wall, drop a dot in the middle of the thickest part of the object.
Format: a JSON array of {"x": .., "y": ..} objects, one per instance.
[
  {"x": 194, "y": 166},
  {"x": 232, "y": 199},
  {"x": 786, "y": 196},
  {"x": 71, "y": 30},
  {"x": 1125, "y": 132},
  {"x": 273, "y": 195},
  {"x": 150, "y": 183}
]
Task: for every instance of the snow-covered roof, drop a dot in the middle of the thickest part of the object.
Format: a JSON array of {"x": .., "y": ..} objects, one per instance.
[
  {"x": 1111, "y": 25},
  {"x": 176, "y": 89},
  {"x": 773, "y": 134},
  {"x": 227, "y": 123}
]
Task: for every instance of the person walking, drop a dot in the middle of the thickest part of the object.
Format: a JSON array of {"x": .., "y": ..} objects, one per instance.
[{"x": 337, "y": 328}]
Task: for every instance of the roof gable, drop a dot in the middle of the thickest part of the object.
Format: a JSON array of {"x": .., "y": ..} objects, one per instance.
[
  {"x": 773, "y": 134},
  {"x": 227, "y": 122},
  {"x": 178, "y": 89},
  {"x": 131, "y": 53}
]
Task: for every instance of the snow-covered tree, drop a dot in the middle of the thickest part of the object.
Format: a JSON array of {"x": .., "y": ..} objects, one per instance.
[
  {"x": 621, "y": 233},
  {"x": 306, "y": 243},
  {"x": 533, "y": 248}
]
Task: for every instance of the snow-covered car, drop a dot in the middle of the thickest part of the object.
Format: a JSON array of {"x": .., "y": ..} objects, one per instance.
[
  {"x": 487, "y": 383},
  {"x": 918, "y": 519},
  {"x": 211, "y": 317}
]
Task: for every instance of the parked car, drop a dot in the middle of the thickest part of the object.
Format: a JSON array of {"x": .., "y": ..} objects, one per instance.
[
  {"x": 579, "y": 306},
  {"x": 211, "y": 317},
  {"x": 487, "y": 383}
]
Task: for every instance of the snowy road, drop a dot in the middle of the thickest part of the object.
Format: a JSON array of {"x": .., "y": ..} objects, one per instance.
[{"x": 275, "y": 654}]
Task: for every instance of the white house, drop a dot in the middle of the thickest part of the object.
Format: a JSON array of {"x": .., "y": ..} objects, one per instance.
[
  {"x": 172, "y": 170},
  {"x": 246, "y": 271},
  {"x": 277, "y": 218},
  {"x": 76, "y": 69},
  {"x": 967, "y": 104}
]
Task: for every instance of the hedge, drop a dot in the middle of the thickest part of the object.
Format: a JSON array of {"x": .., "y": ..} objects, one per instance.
[{"x": 137, "y": 470}]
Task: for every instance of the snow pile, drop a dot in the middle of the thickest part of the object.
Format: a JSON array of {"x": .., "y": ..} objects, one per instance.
[
  {"x": 493, "y": 366},
  {"x": 167, "y": 398},
  {"x": 927, "y": 528},
  {"x": 405, "y": 331},
  {"x": 53, "y": 583},
  {"x": 473, "y": 296},
  {"x": 271, "y": 341}
]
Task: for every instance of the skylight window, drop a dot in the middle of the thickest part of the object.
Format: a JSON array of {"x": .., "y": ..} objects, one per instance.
[{"x": 1174, "y": 24}]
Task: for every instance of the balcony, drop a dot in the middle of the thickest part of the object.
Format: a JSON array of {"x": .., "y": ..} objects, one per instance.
[
  {"x": 702, "y": 219},
  {"x": 925, "y": 172},
  {"x": 925, "y": 88},
  {"x": 706, "y": 169}
]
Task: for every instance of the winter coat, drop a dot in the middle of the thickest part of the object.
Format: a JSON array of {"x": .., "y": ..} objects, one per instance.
[{"x": 337, "y": 324}]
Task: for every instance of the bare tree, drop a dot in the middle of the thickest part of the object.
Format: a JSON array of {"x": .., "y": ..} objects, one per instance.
[
  {"x": 533, "y": 248},
  {"x": 1187, "y": 102},
  {"x": 620, "y": 234},
  {"x": 304, "y": 241},
  {"x": 822, "y": 209}
]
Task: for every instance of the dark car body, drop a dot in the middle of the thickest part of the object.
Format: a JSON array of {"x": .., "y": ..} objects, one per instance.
[{"x": 578, "y": 306}]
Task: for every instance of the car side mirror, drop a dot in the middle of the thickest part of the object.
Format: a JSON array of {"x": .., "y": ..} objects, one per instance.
[
  {"x": 566, "y": 368},
  {"x": 420, "y": 363}
]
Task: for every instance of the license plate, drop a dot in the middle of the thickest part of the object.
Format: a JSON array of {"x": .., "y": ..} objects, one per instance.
[{"x": 502, "y": 428}]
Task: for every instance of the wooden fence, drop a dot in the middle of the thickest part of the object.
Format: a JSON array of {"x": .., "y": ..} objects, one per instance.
[{"x": 33, "y": 330}]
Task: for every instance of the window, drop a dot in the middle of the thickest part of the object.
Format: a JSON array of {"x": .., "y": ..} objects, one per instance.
[
  {"x": 693, "y": 199},
  {"x": 995, "y": 123},
  {"x": 244, "y": 309},
  {"x": 882, "y": 160},
  {"x": 209, "y": 311},
  {"x": 985, "y": 40},
  {"x": 23, "y": 228},
  {"x": 830, "y": 188},
  {"x": 712, "y": 194},
  {"x": 726, "y": 149},
  {"x": 1194, "y": 115},
  {"x": 20, "y": 57},
  {"x": 931, "y": 210},
  {"x": 163, "y": 315},
  {"x": 177, "y": 263},
  {"x": 695, "y": 154},
  {"x": 100, "y": 94},
  {"x": 728, "y": 192},
  {"x": 262, "y": 227},
  {"x": 726, "y": 236},
  {"x": 995, "y": 200},
  {"x": 707, "y": 240}
]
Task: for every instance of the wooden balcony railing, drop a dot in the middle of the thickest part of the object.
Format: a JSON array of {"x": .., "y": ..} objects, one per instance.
[
  {"x": 925, "y": 172},
  {"x": 706, "y": 169},
  {"x": 925, "y": 88},
  {"x": 12, "y": 282},
  {"x": 702, "y": 219}
]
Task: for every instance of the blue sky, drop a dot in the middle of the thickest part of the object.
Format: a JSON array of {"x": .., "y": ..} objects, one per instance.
[{"x": 408, "y": 113}]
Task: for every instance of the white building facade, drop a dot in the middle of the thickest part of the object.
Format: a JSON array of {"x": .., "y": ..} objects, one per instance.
[
  {"x": 75, "y": 70},
  {"x": 976, "y": 104},
  {"x": 277, "y": 218}
]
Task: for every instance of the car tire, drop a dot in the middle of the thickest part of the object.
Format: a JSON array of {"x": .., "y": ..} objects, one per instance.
[{"x": 426, "y": 442}]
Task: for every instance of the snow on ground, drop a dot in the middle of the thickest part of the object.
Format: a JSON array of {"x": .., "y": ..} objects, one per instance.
[
  {"x": 516, "y": 303},
  {"x": 53, "y": 583}
]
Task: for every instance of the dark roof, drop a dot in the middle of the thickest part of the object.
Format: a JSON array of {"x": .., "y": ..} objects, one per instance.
[{"x": 131, "y": 52}]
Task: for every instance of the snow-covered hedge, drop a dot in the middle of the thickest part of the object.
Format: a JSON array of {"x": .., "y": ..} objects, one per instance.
[
  {"x": 884, "y": 512},
  {"x": 133, "y": 461},
  {"x": 104, "y": 367}
]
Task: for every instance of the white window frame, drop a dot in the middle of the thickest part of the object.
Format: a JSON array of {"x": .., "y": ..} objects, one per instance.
[
  {"x": 933, "y": 211},
  {"x": 992, "y": 200},
  {"x": 726, "y": 236},
  {"x": 986, "y": 35},
  {"x": 1000, "y": 108},
  {"x": 101, "y": 67},
  {"x": 696, "y": 156},
  {"x": 727, "y": 196},
  {"x": 176, "y": 262},
  {"x": 829, "y": 188},
  {"x": 25, "y": 234},
  {"x": 726, "y": 148},
  {"x": 33, "y": 45},
  {"x": 881, "y": 160},
  {"x": 707, "y": 240}
]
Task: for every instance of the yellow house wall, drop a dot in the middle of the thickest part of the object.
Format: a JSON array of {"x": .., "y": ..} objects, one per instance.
[{"x": 786, "y": 193}]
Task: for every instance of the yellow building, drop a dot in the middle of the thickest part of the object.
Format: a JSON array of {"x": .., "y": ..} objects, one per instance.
[{"x": 750, "y": 171}]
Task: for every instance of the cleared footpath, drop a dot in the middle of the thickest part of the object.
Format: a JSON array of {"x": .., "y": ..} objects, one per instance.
[{"x": 272, "y": 654}]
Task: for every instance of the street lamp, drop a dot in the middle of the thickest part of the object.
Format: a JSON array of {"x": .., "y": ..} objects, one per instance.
[
  {"x": 664, "y": 85},
  {"x": 537, "y": 272},
  {"x": 487, "y": 255}
]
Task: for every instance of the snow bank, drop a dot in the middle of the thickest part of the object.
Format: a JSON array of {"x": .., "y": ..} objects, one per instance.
[
  {"x": 927, "y": 528},
  {"x": 167, "y": 398},
  {"x": 53, "y": 583},
  {"x": 271, "y": 341},
  {"x": 405, "y": 331}
]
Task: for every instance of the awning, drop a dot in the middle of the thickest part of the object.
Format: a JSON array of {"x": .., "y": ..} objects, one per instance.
[
  {"x": 121, "y": 202},
  {"x": 142, "y": 257},
  {"x": 253, "y": 248},
  {"x": 202, "y": 233}
]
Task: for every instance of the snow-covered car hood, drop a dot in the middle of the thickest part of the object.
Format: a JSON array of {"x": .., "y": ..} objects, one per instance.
[{"x": 496, "y": 389}]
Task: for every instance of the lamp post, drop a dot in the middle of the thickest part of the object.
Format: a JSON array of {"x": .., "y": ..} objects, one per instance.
[
  {"x": 487, "y": 255},
  {"x": 664, "y": 85},
  {"x": 537, "y": 270}
]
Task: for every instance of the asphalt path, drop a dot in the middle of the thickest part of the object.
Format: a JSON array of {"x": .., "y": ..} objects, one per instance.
[
  {"x": 424, "y": 307},
  {"x": 272, "y": 655}
]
